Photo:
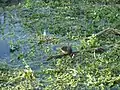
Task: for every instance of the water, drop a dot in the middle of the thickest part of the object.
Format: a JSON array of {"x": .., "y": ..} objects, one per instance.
[
  {"x": 16, "y": 34},
  {"x": 4, "y": 51}
]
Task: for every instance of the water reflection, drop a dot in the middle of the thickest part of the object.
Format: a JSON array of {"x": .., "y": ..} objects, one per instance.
[
  {"x": 2, "y": 18},
  {"x": 4, "y": 50}
]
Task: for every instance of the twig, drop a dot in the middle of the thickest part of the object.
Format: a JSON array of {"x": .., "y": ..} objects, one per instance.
[{"x": 62, "y": 55}]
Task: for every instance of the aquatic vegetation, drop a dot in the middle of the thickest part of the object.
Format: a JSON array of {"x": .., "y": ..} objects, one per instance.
[{"x": 37, "y": 30}]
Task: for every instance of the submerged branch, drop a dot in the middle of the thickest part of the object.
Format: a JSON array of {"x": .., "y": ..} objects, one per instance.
[{"x": 62, "y": 55}]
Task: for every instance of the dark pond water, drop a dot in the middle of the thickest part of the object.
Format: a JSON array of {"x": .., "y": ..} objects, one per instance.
[{"x": 10, "y": 2}]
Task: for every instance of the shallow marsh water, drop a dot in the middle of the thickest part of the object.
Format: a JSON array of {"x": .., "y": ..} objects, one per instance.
[{"x": 20, "y": 39}]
